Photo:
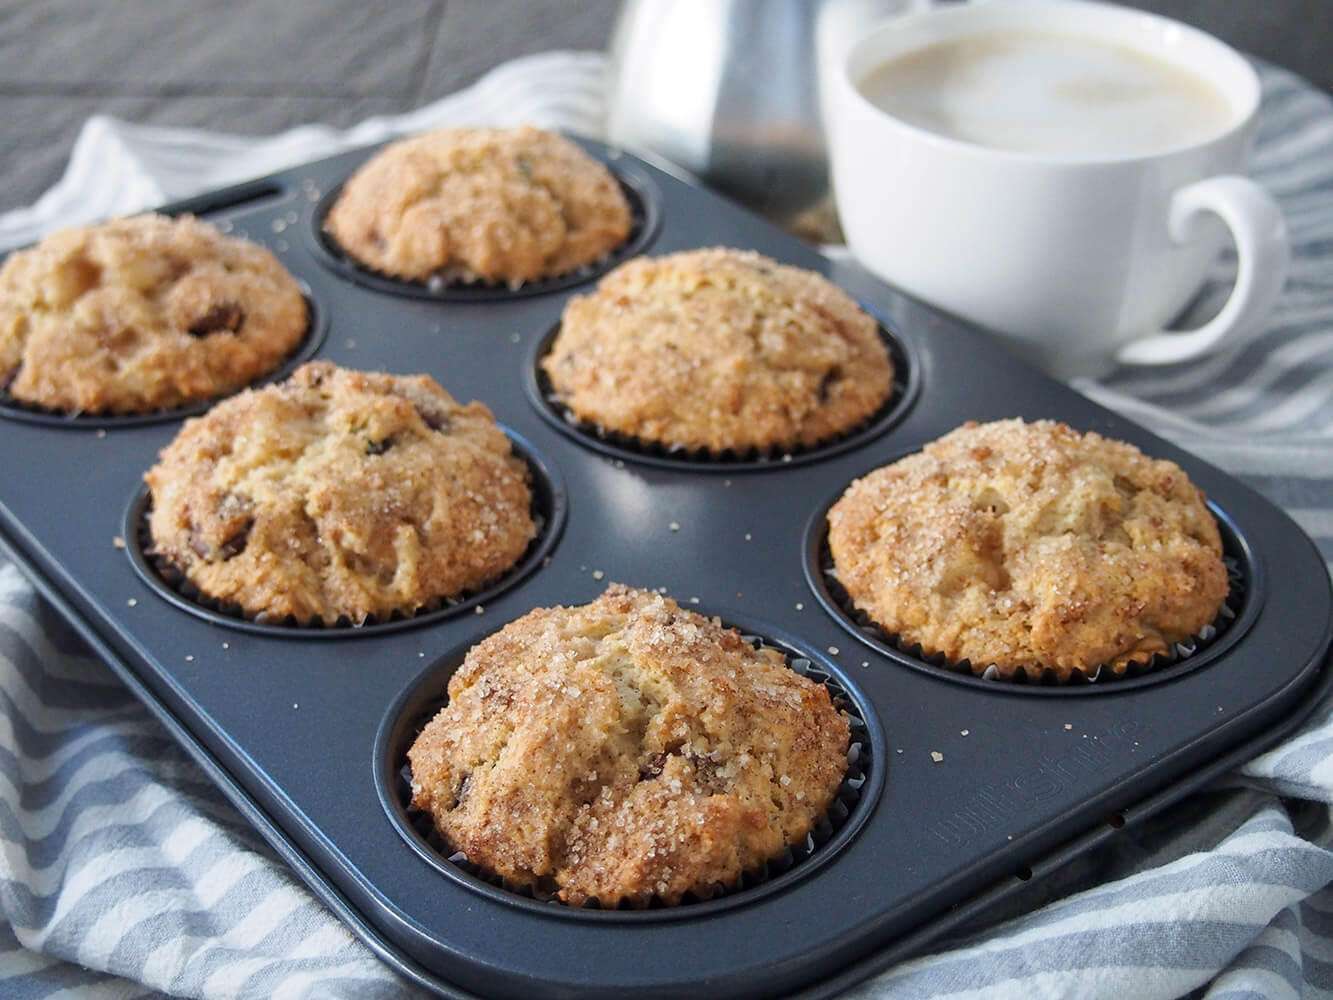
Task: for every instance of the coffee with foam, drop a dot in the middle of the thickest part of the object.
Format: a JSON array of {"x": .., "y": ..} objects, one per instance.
[{"x": 1049, "y": 93}]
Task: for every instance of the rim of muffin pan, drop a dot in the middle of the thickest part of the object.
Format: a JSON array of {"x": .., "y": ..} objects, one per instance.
[
  {"x": 1237, "y": 613},
  {"x": 645, "y": 219},
  {"x": 903, "y": 393},
  {"x": 852, "y": 804},
  {"x": 317, "y": 328},
  {"x": 550, "y": 506}
]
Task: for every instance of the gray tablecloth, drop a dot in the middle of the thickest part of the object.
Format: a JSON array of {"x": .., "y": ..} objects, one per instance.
[{"x": 123, "y": 873}]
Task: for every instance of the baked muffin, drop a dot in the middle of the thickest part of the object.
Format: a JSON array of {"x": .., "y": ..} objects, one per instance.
[
  {"x": 720, "y": 350},
  {"x": 340, "y": 493},
  {"x": 627, "y": 751},
  {"x": 140, "y": 314},
  {"x": 1030, "y": 546},
  {"x": 469, "y": 204}
]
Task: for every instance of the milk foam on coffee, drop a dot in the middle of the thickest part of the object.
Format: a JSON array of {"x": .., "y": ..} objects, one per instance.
[{"x": 1048, "y": 93}]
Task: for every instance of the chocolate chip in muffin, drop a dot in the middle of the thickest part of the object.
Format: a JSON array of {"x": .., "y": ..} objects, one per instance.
[{"x": 221, "y": 316}]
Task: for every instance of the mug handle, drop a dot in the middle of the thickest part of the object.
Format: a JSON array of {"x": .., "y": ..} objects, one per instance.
[{"x": 1263, "y": 256}]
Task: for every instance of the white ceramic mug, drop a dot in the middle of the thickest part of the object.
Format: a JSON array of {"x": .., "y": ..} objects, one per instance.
[{"x": 1077, "y": 262}]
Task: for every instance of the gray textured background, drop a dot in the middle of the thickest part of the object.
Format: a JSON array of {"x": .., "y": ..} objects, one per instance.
[{"x": 260, "y": 66}]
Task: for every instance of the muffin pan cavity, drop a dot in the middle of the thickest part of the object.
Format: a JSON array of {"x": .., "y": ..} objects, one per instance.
[
  {"x": 855, "y": 798},
  {"x": 549, "y": 508}
]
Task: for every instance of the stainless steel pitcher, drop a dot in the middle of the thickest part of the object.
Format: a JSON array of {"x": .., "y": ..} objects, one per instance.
[{"x": 729, "y": 90}]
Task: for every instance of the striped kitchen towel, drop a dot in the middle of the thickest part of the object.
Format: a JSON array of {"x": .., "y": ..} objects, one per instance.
[{"x": 123, "y": 873}]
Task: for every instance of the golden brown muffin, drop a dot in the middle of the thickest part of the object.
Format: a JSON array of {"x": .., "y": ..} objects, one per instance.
[
  {"x": 719, "y": 349},
  {"x": 627, "y": 750},
  {"x": 469, "y": 204},
  {"x": 141, "y": 314},
  {"x": 340, "y": 493},
  {"x": 1032, "y": 546}
]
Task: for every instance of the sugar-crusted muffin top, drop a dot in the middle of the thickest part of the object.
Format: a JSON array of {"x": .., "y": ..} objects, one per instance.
[
  {"x": 340, "y": 494},
  {"x": 719, "y": 349},
  {"x": 627, "y": 750},
  {"x": 1033, "y": 546},
  {"x": 142, "y": 313},
  {"x": 468, "y": 204}
]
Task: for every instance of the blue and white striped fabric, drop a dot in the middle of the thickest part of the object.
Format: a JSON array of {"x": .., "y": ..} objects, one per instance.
[{"x": 124, "y": 874}]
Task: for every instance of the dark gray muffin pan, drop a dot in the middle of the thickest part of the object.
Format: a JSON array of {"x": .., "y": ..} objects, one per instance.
[{"x": 964, "y": 791}]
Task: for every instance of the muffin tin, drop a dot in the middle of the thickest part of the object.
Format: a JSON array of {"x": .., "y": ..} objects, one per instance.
[{"x": 969, "y": 789}]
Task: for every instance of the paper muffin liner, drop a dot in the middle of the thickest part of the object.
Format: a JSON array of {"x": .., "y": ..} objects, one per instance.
[
  {"x": 901, "y": 393},
  {"x": 1105, "y": 674},
  {"x": 454, "y": 285},
  {"x": 860, "y": 762},
  {"x": 547, "y": 512},
  {"x": 18, "y": 409}
]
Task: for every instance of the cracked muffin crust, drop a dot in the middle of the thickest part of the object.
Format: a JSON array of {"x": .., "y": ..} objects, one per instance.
[
  {"x": 627, "y": 751},
  {"x": 340, "y": 493},
  {"x": 142, "y": 313},
  {"x": 1030, "y": 545},
  {"x": 469, "y": 204},
  {"x": 719, "y": 349}
]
